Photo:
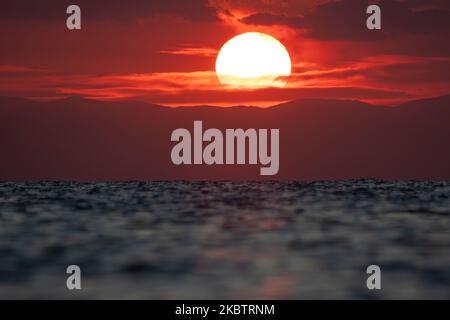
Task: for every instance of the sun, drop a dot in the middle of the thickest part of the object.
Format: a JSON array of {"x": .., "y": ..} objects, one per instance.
[{"x": 253, "y": 60}]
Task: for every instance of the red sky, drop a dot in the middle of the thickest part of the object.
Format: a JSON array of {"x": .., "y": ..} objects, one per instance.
[{"x": 164, "y": 51}]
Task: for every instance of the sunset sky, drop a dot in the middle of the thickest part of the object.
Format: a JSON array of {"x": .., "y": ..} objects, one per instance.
[{"x": 165, "y": 51}]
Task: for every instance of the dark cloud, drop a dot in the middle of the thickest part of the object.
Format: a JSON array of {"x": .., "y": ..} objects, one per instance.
[
  {"x": 400, "y": 72},
  {"x": 346, "y": 19},
  {"x": 120, "y": 10},
  {"x": 429, "y": 4}
]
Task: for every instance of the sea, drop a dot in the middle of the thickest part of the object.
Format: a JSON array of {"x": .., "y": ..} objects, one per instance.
[{"x": 225, "y": 240}]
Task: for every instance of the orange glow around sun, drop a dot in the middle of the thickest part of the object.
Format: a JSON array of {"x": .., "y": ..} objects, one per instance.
[{"x": 253, "y": 60}]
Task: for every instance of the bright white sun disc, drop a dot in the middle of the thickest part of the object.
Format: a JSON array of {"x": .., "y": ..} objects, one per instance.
[{"x": 253, "y": 60}]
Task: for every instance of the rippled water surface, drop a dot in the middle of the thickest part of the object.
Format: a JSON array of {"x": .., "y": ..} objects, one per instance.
[{"x": 178, "y": 240}]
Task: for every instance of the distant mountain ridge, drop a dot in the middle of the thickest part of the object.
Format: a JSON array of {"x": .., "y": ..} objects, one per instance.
[
  {"x": 4, "y": 100},
  {"x": 89, "y": 140}
]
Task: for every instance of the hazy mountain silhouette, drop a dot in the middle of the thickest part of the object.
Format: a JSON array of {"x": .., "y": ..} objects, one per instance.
[{"x": 79, "y": 139}]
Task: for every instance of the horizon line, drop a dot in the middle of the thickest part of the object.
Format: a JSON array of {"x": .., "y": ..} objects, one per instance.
[{"x": 217, "y": 105}]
